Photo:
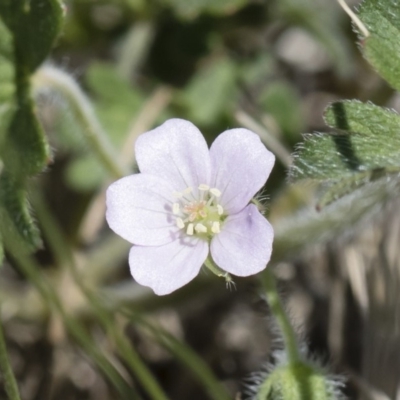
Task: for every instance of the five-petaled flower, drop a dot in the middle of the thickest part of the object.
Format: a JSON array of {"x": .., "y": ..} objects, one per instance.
[{"x": 189, "y": 201}]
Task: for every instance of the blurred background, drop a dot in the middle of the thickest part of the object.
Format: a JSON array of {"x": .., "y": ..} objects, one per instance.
[{"x": 271, "y": 66}]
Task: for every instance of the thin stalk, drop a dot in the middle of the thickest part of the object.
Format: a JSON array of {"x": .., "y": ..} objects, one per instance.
[
  {"x": 185, "y": 355},
  {"x": 274, "y": 301},
  {"x": 10, "y": 382},
  {"x": 97, "y": 139},
  {"x": 31, "y": 270},
  {"x": 65, "y": 257}
]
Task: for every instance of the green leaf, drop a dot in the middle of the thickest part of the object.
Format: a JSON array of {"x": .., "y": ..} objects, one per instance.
[
  {"x": 116, "y": 101},
  {"x": 16, "y": 221},
  {"x": 367, "y": 138},
  {"x": 26, "y": 151},
  {"x": 211, "y": 92},
  {"x": 35, "y": 25},
  {"x": 382, "y": 47},
  {"x": 282, "y": 101},
  {"x": 85, "y": 173}
]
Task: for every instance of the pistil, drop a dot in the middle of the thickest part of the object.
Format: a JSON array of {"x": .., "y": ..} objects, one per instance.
[{"x": 201, "y": 216}]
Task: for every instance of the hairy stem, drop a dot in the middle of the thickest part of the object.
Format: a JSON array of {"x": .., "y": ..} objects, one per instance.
[
  {"x": 97, "y": 139},
  {"x": 274, "y": 301}
]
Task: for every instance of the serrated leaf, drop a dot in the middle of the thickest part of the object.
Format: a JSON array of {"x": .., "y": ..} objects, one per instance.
[
  {"x": 367, "y": 139},
  {"x": 16, "y": 218},
  {"x": 382, "y": 47},
  {"x": 26, "y": 151},
  {"x": 35, "y": 26},
  {"x": 342, "y": 188},
  {"x": 211, "y": 92}
]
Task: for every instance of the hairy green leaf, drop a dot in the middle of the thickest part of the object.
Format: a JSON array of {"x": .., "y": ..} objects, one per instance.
[
  {"x": 367, "y": 138},
  {"x": 382, "y": 47},
  {"x": 16, "y": 221},
  {"x": 34, "y": 25},
  {"x": 26, "y": 151}
]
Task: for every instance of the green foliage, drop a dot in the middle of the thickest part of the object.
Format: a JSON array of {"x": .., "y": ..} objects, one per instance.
[
  {"x": 382, "y": 47},
  {"x": 27, "y": 32},
  {"x": 189, "y": 9},
  {"x": 281, "y": 101},
  {"x": 16, "y": 219},
  {"x": 366, "y": 138},
  {"x": 116, "y": 104},
  {"x": 211, "y": 92},
  {"x": 34, "y": 26},
  {"x": 364, "y": 146}
]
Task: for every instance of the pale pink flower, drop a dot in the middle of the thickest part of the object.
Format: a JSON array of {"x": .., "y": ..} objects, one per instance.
[{"x": 189, "y": 201}]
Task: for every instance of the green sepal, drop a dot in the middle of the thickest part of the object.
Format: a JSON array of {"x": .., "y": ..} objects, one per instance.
[
  {"x": 297, "y": 381},
  {"x": 382, "y": 47}
]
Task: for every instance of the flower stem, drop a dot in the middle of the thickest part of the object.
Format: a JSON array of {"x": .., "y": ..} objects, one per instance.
[
  {"x": 210, "y": 264},
  {"x": 274, "y": 301},
  {"x": 10, "y": 383},
  {"x": 97, "y": 139}
]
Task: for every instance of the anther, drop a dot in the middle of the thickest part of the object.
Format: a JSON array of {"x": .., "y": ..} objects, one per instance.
[
  {"x": 204, "y": 187},
  {"x": 215, "y": 228},
  {"x": 179, "y": 223},
  {"x": 178, "y": 195},
  {"x": 187, "y": 190},
  {"x": 220, "y": 210},
  {"x": 215, "y": 192},
  {"x": 175, "y": 208},
  {"x": 200, "y": 228},
  {"x": 189, "y": 229}
]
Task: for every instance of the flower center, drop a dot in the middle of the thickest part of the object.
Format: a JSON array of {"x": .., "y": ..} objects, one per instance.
[{"x": 200, "y": 216}]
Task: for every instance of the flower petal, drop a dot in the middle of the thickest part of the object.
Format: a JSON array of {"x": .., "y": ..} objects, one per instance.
[
  {"x": 240, "y": 167},
  {"x": 169, "y": 267},
  {"x": 177, "y": 152},
  {"x": 139, "y": 209},
  {"x": 244, "y": 245}
]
